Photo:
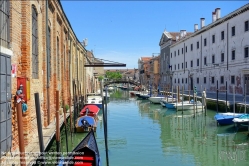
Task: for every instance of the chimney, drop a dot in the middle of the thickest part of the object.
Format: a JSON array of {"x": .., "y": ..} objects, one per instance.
[
  {"x": 202, "y": 22},
  {"x": 217, "y": 11},
  {"x": 177, "y": 38},
  {"x": 184, "y": 33},
  {"x": 181, "y": 33},
  {"x": 196, "y": 27},
  {"x": 213, "y": 16}
]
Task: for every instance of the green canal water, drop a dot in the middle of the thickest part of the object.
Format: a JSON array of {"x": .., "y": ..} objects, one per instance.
[{"x": 143, "y": 134}]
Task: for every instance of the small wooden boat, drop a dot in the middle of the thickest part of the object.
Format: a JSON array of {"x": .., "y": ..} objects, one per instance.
[
  {"x": 85, "y": 124},
  {"x": 90, "y": 110},
  {"x": 86, "y": 153}
]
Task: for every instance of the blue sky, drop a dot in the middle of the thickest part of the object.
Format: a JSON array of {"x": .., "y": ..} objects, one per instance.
[{"x": 124, "y": 31}]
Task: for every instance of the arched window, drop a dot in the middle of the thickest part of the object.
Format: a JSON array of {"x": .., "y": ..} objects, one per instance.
[
  {"x": 4, "y": 23},
  {"x": 35, "y": 59}
]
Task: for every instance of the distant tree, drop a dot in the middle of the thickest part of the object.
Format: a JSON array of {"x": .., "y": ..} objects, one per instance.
[{"x": 113, "y": 75}]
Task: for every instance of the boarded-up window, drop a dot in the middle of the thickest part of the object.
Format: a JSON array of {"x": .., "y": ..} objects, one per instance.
[
  {"x": 4, "y": 23},
  {"x": 35, "y": 59}
]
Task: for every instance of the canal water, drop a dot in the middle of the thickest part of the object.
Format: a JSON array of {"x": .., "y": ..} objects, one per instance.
[{"x": 143, "y": 134}]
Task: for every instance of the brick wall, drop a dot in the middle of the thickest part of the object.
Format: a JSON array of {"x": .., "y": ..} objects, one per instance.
[{"x": 21, "y": 39}]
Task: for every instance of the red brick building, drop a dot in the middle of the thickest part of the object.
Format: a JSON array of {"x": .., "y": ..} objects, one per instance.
[{"x": 47, "y": 57}]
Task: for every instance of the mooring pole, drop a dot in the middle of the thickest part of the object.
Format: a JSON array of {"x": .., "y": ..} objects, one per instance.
[
  {"x": 226, "y": 96},
  {"x": 20, "y": 134},
  {"x": 65, "y": 123},
  {"x": 217, "y": 102},
  {"x": 39, "y": 126},
  {"x": 57, "y": 127}
]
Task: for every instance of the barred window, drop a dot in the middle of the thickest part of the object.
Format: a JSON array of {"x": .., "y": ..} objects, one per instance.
[
  {"x": 35, "y": 59},
  {"x": 4, "y": 23}
]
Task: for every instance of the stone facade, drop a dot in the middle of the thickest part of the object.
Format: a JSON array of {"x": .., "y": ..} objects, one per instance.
[{"x": 216, "y": 53}]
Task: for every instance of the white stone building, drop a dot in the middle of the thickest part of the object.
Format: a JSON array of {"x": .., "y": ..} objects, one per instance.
[{"x": 214, "y": 54}]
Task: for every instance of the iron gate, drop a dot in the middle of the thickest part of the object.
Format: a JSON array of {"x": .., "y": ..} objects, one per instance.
[{"x": 5, "y": 104}]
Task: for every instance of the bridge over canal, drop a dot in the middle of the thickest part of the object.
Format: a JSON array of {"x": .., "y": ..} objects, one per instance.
[{"x": 106, "y": 83}]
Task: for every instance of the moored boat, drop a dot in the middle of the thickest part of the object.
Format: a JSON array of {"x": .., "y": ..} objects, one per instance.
[
  {"x": 90, "y": 110},
  {"x": 241, "y": 121},
  {"x": 156, "y": 99},
  {"x": 226, "y": 118},
  {"x": 85, "y": 124},
  {"x": 86, "y": 153},
  {"x": 186, "y": 105}
]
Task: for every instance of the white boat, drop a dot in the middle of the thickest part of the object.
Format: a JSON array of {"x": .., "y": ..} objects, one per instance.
[
  {"x": 243, "y": 119},
  {"x": 186, "y": 105},
  {"x": 156, "y": 99},
  {"x": 94, "y": 98}
]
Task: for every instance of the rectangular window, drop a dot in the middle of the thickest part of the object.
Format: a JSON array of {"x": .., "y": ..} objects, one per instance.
[
  {"x": 205, "y": 60},
  {"x": 186, "y": 65},
  {"x": 213, "y": 38},
  {"x": 178, "y": 80},
  {"x": 191, "y": 63},
  {"x": 222, "y": 57},
  {"x": 175, "y": 67},
  {"x": 233, "y": 54},
  {"x": 175, "y": 53},
  {"x": 171, "y": 55},
  {"x": 232, "y": 79},
  {"x": 204, "y": 80},
  {"x": 191, "y": 47},
  {"x": 233, "y": 31},
  {"x": 186, "y": 49},
  {"x": 197, "y": 62},
  {"x": 186, "y": 80},
  {"x": 212, "y": 79},
  {"x": 182, "y": 65},
  {"x": 197, "y": 80},
  {"x": 175, "y": 80},
  {"x": 205, "y": 42},
  {"x": 246, "y": 52},
  {"x": 246, "y": 26},
  {"x": 178, "y": 66},
  {"x": 222, "y": 79},
  {"x": 182, "y": 80},
  {"x": 182, "y": 50},
  {"x": 164, "y": 56},
  {"x": 222, "y": 35},
  {"x": 5, "y": 27},
  {"x": 178, "y": 52},
  {"x": 197, "y": 45},
  {"x": 213, "y": 59}
]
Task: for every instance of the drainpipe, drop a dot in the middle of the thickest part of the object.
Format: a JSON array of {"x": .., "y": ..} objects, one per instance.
[
  {"x": 48, "y": 96},
  {"x": 227, "y": 44}
]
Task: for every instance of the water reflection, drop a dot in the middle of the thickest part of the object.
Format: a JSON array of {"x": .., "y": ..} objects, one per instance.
[{"x": 141, "y": 134}]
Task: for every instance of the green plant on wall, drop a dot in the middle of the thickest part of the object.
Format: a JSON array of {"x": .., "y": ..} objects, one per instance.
[{"x": 66, "y": 107}]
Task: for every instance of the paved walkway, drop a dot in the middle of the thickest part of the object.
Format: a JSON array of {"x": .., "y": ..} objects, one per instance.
[
  {"x": 32, "y": 150},
  {"x": 240, "y": 99}
]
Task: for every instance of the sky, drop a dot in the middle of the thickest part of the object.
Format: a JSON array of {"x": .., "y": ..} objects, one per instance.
[{"x": 124, "y": 31}]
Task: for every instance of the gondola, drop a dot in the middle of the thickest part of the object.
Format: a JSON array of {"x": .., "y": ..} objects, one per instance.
[{"x": 86, "y": 153}]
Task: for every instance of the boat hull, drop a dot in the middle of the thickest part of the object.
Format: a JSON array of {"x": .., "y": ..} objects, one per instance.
[
  {"x": 226, "y": 118},
  {"x": 155, "y": 100}
]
